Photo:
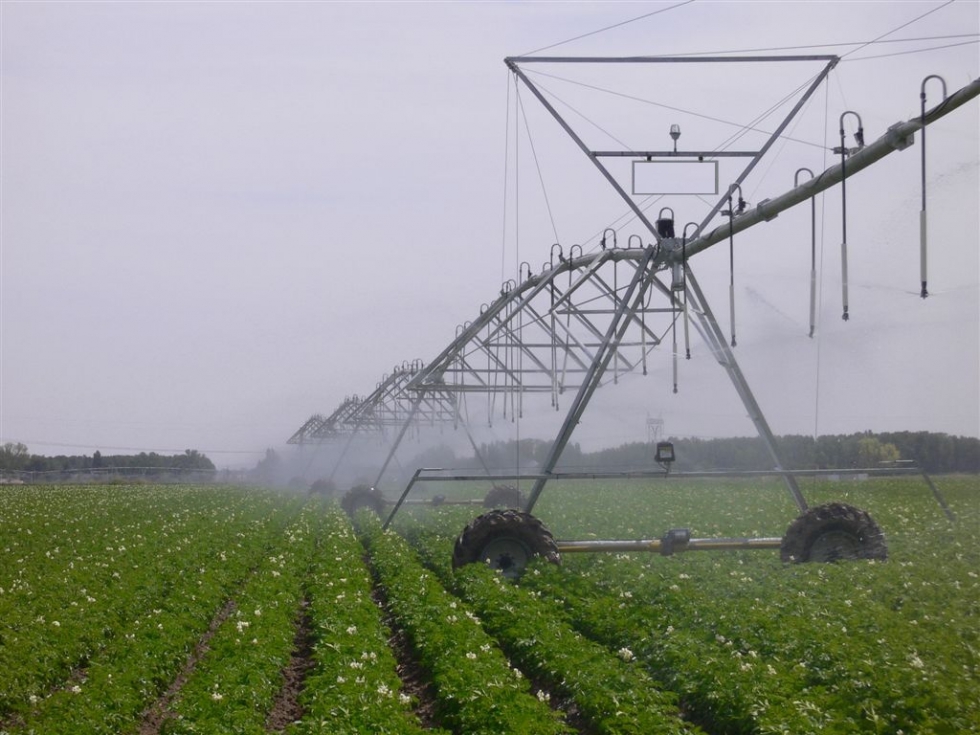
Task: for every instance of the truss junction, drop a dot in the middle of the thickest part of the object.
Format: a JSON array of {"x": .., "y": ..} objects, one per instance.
[{"x": 586, "y": 319}]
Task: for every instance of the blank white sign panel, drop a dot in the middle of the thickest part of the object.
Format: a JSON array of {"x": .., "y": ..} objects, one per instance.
[{"x": 675, "y": 177}]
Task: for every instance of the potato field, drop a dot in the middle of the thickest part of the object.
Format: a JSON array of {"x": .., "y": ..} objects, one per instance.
[{"x": 211, "y": 609}]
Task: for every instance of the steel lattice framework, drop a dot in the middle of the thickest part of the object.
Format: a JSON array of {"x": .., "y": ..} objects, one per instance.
[
  {"x": 588, "y": 318},
  {"x": 389, "y": 405}
]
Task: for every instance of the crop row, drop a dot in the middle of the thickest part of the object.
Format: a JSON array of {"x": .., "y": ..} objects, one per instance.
[
  {"x": 840, "y": 647},
  {"x": 353, "y": 686},
  {"x": 126, "y": 605},
  {"x": 611, "y": 692},
  {"x": 752, "y": 645},
  {"x": 476, "y": 688},
  {"x": 119, "y": 605},
  {"x": 739, "y": 664},
  {"x": 234, "y": 685}
]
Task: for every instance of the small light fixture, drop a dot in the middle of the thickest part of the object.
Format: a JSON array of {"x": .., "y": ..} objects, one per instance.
[
  {"x": 665, "y": 454},
  {"x": 675, "y": 133}
]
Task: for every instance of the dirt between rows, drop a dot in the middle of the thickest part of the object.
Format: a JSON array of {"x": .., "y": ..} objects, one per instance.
[
  {"x": 159, "y": 711},
  {"x": 415, "y": 680},
  {"x": 287, "y": 707}
]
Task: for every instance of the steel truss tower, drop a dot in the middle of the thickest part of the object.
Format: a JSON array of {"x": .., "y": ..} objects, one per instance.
[{"x": 587, "y": 318}]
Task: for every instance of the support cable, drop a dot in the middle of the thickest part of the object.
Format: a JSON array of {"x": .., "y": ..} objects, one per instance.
[
  {"x": 573, "y": 109},
  {"x": 913, "y": 51},
  {"x": 896, "y": 138},
  {"x": 893, "y": 30},
  {"x": 537, "y": 164},
  {"x": 629, "y": 216},
  {"x": 642, "y": 100},
  {"x": 750, "y": 127},
  {"x": 778, "y": 153},
  {"x": 823, "y": 232},
  {"x": 503, "y": 234},
  {"x": 609, "y": 28},
  {"x": 827, "y": 45}
]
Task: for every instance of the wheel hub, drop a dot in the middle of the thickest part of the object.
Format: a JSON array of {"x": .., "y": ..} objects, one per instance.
[
  {"x": 835, "y": 545},
  {"x": 507, "y": 554}
]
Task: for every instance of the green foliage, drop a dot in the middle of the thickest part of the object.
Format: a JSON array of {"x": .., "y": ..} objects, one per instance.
[
  {"x": 105, "y": 592},
  {"x": 608, "y": 688},
  {"x": 354, "y": 687},
  {"x": 872, "y": 452},
  {"x": 754, "y": 646},
  {"x": 477, "y": 690},
  {"x": 932, "y": 452},
  {"x": 232, "y": 688},
  {"x": 16, "y": 457}
]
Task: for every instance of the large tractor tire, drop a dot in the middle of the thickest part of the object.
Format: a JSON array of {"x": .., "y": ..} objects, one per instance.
[
  {"x": 325, "y": 488},
  {"x": 362, "y": 496},
  {"x": 506, "y": 540},
  {"x": 503, "y": 496},
  {"x": 833, "y": 532}
]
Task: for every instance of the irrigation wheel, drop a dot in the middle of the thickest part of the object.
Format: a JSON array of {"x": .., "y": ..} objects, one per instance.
[
  {"x": 503, "y": 496},
  {"x": 326, "y": 488},
  {"x": 506, "y": 540},
  {"x": 833, "y": 532},
  {"x": 362, "y": 496}
]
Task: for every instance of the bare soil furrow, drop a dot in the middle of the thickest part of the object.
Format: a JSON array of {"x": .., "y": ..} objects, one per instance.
[
  {"x": 414, "y": 678},
  {"x": 159, "y": 711},
  {"x": 287, "y": 708}
]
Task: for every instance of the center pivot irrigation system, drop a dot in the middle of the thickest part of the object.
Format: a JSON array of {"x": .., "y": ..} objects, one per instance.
[{"x": 586, "y": 319}]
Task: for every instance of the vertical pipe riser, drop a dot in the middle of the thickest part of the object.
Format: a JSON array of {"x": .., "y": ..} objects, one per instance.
[
  {"x": 923, "y": 241},
  {"x": 813, "y": 301}
]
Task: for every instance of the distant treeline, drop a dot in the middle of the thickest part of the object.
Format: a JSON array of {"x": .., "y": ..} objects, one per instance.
[
  {"x": 17, "y": 458},
  {"x": 932, "y": 452}
]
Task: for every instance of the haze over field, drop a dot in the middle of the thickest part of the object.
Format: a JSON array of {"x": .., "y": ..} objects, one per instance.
[{"x": 220, "y": 218}]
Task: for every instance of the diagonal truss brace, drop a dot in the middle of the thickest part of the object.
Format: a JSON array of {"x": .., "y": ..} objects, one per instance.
[
  {"x": 513, "y": 63},
  {"x": 456, "y": 361}
]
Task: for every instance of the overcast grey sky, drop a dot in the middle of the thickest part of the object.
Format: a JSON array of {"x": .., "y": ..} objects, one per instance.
[{"x": 219, "y": 218}]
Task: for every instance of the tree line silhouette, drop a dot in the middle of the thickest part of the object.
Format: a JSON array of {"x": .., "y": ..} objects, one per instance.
[
  {"x": 933, "y": 452},
  {"x": 17, "y": 458}
]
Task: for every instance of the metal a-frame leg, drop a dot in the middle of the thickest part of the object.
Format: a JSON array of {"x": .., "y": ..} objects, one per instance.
[
  {"x": 631, "y": 301},
  {"x": 716, "y": 342},
  {"x": 401, "y": 435},
  {"x": 726, "y": 358},
  {"x": 343, "y": 453}
]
